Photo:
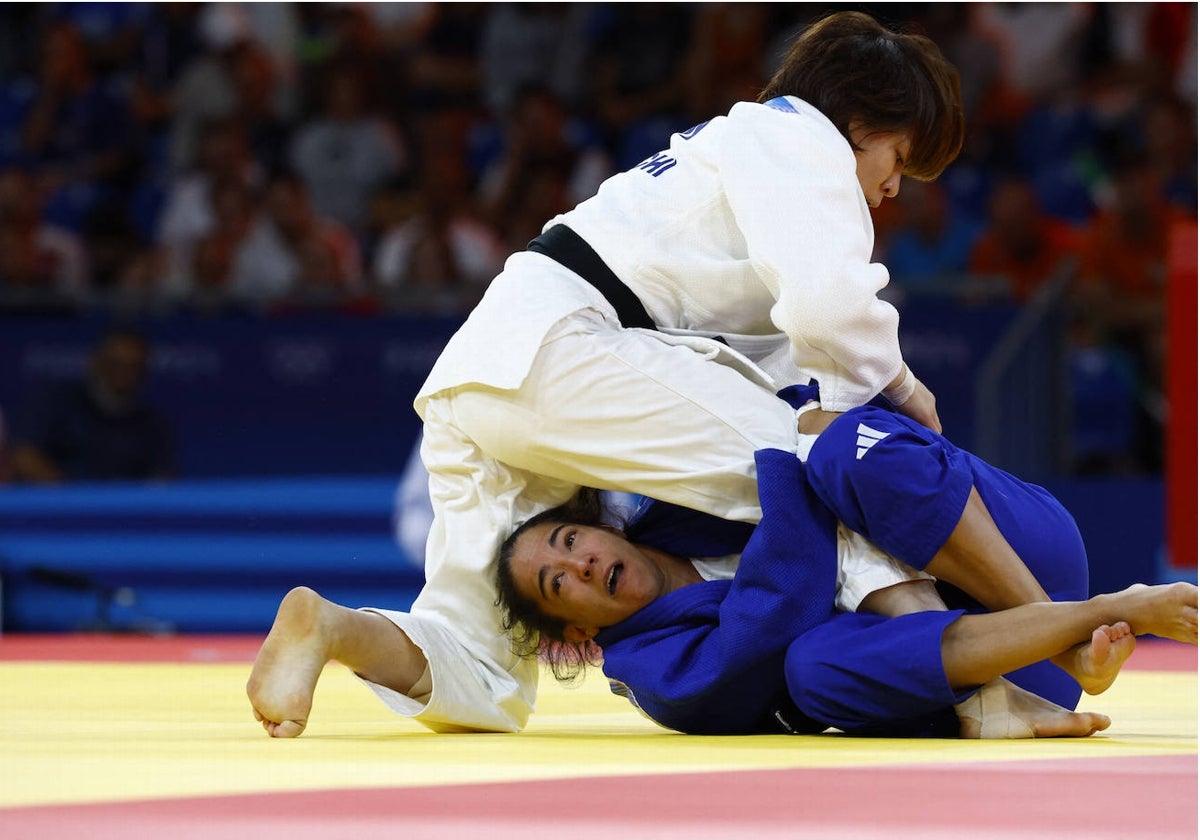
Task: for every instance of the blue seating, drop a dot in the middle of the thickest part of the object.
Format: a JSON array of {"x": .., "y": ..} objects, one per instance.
[{"x": 204, "y": 556}]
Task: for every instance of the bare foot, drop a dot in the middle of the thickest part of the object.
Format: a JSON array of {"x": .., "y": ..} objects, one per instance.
[
  {"x": 1095, "y": 664},
  {"x": 289, "y": 663},
  {"x": 1168, "y": 611},
  {"x": 1003, "y": 710}
]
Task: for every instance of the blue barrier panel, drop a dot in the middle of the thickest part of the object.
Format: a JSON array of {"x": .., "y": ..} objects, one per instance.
[
  {"x": 297, "y": 395},
  {"x": 334, "y": 496},
  {"x": 1123, "y": 527},
  {"x": 205, "y": 556},
  {"x": 327, "y": 394},
  {"x": 945, "y": 343},
  {"x": 125, "y": 558},
  {"x": 199, "y": 608}
]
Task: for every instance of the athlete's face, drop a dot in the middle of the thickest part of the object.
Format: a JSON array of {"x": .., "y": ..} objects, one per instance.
[
  {"x": 881, "y": 157},
  {"x": 589, "y": 577}
]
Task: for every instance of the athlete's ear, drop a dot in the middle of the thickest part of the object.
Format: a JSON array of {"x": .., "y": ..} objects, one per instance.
[{"x": 579, "y": 635}]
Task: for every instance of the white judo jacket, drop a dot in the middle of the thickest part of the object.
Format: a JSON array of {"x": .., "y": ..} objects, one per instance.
[{"x": 750, "y": 224}]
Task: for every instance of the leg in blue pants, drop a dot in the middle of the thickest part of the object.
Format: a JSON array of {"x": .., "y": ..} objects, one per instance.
[{"x": 905, "y": 487}]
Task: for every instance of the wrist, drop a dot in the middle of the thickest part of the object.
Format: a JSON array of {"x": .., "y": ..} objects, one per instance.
[{"x": 901, "y": 388}]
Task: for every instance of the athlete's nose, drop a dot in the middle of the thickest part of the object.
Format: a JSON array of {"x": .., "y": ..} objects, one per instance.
[
  {"x": 583, "y": 565},
  {"x": 891, "y": 187}
]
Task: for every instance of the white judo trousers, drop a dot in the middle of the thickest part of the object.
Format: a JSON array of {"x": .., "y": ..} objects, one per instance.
[{"x": 684, "y": 431}]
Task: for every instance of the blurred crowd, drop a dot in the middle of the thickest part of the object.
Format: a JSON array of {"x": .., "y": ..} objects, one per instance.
[{"x": 388, "y": 156}]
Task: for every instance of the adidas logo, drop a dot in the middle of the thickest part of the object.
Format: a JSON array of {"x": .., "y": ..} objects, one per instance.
[{"x": 867, "y": 437}]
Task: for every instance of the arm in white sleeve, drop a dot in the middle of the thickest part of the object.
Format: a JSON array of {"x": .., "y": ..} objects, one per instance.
[{"x": 791, "y": 185}]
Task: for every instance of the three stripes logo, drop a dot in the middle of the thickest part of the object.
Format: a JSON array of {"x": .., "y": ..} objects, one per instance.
[{"x": 867, "y": 437}]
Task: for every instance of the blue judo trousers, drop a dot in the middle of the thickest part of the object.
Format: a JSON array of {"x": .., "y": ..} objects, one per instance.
[{"x": 766, "y": 652}]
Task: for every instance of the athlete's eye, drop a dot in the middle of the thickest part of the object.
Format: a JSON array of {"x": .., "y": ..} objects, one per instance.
[
  {"x": 569, "y": 542},
  {"x": 556, "y": 584}
]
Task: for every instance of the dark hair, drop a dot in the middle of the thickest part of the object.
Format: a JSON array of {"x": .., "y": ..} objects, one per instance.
[
  {"x": 530, "y": 630},
  {"x": 853, "y": 69}
]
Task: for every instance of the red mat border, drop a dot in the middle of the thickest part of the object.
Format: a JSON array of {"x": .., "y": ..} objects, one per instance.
[{"x": 1147, "y": 796}]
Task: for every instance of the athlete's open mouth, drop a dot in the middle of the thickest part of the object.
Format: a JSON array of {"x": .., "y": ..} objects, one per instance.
[{"x": 613, "y": 574}]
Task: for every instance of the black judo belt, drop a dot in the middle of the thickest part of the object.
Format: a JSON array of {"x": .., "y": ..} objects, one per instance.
[{"x": 568, "y": 249}]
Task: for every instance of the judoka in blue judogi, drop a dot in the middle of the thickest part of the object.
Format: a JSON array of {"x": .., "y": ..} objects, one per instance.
[{"x": 767, "y": 652}]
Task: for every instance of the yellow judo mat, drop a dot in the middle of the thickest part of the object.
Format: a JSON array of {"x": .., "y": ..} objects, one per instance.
[{"x": 124, "y": 734}]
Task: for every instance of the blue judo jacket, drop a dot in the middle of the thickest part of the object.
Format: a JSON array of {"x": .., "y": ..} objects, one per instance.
[
  {"x": 714, "y": 657},
  {"x": 709, "y": 658}
]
